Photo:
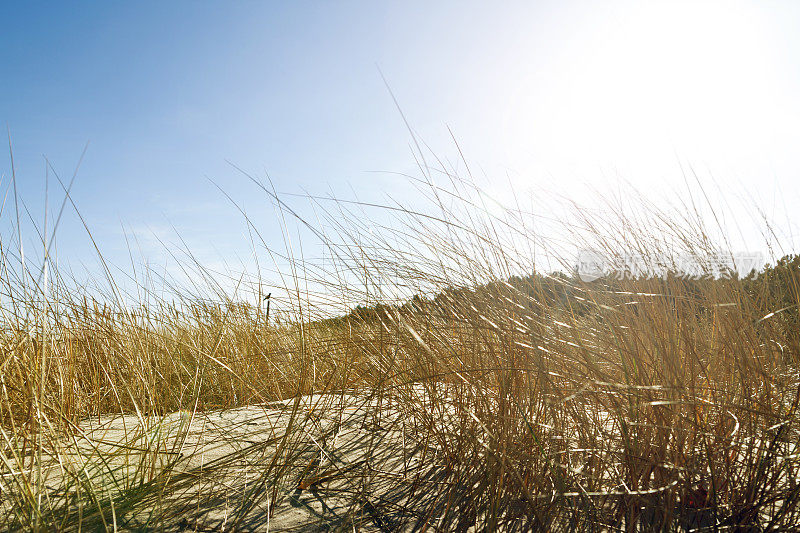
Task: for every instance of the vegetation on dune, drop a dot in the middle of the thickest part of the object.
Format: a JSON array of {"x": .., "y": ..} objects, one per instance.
[{"x": 538, "y": 401}]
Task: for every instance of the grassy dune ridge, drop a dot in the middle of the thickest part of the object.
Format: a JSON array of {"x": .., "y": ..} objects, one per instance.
[{"x": 498, "y": 399}]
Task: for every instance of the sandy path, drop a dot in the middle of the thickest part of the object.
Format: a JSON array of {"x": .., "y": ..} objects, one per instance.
[{"x": 324, "y": 462}]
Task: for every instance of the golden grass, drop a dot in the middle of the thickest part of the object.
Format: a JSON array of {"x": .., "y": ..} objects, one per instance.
[{"x": 537, "y": 401}]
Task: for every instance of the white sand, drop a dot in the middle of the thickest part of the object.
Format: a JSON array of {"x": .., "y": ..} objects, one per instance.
[{"x": 341, "y": 457}]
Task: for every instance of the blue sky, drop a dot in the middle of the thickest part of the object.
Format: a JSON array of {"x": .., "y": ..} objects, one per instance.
[{"x": 560, "y": 95}]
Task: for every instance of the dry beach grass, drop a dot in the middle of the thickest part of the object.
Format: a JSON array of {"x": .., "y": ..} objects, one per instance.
[{"x": 496, "y": 399}]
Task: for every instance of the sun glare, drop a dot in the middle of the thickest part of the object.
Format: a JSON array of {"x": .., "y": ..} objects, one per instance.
[{"x": 652, "y": 84}]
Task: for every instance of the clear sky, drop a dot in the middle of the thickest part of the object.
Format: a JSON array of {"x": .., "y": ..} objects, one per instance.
[{"x": 560, "y": 95}]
